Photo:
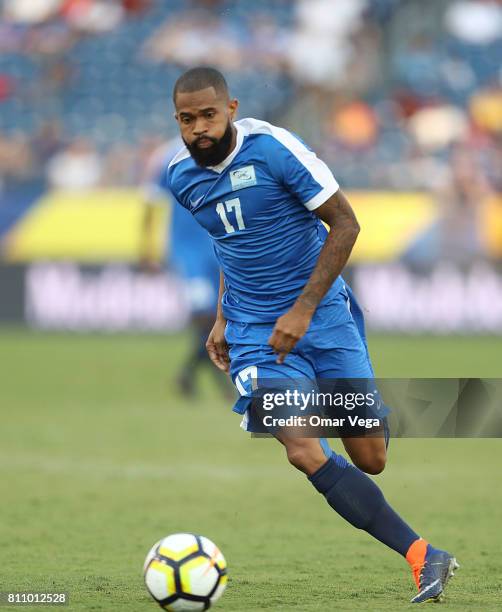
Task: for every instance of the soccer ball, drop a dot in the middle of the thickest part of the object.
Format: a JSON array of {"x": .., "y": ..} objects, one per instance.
[{"x": 185, "y": 571}]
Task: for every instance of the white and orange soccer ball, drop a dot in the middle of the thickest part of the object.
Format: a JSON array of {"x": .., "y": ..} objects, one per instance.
[{"x": 185, "y": 571}]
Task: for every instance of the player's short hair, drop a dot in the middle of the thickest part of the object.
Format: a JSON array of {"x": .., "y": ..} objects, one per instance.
[{"x": 199, "y": 78}]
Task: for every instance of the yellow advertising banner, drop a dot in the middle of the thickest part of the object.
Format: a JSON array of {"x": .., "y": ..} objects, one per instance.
[
  {"x": 87, "y": 226},
  {"x": 389, "y": 222},
  {"x": 107, "y": 225}
]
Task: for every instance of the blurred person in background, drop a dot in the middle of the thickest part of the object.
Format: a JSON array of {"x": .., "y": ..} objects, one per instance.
[
  {"x": 120, "y": 166},
  {"x": 79, "y": 166},
  {"x": 475, "y": 22},
  {"x": 16, "y": 159},
  {"x": 321, "y": 48},
  {"x": 197, "y": 36},
  {"x": 190, "y": 254},
  {"x": 461, "y": 201},
  {"x": 47, "y": 141},
  {"x": 93, "y": 15},
  {"x": 30, "y": 11}
]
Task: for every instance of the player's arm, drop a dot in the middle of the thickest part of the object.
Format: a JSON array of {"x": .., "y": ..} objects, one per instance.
[
  {"x": 344, "y": 228},
  {"x": 156, "y": 195},
  {"x": 337, "y": 213},
  {"x": 147, "y": 255},
  {"x": 216, "y": 344}
]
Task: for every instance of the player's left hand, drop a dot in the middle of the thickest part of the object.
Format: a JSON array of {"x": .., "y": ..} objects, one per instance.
[{"x": 289, "y": 328}]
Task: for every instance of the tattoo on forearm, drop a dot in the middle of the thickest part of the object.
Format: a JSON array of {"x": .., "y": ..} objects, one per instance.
[{"x": 333, "y": 256}]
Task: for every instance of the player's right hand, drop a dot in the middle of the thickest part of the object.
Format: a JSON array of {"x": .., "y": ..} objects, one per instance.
[{"x": 217, "y": 346}]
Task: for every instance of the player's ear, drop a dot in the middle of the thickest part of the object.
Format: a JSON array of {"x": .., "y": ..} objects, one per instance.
[{"x": 233, "y": 105}]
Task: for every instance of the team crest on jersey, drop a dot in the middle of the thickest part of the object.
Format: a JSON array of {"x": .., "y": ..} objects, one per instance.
[{"x": 242, "y": 177}]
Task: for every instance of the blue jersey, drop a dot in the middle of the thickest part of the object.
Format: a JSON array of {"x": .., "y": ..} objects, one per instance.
[{"x": 257, "y": 207}]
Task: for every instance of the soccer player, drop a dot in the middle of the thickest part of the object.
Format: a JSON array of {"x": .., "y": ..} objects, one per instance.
[
  {"x": 190, "y": 254},
  {"x": 284, "y": 310}
]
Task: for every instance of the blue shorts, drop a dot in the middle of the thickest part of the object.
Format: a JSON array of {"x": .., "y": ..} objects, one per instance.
[{"x": 334, "y": 347}]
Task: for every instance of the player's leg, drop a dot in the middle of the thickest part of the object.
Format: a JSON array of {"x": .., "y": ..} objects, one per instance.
[
  {"x": 368, "y": 453},
  {"x": 357, "y": 498},
  {"x": 201, "y": 294},
  {"x": 200, "y": 325},
  {"x": 305, "y": 454},
  {"x": 253, "y": 362},
  {"x": 336, "y": 346},
  {"x": 348, "y": 490}
]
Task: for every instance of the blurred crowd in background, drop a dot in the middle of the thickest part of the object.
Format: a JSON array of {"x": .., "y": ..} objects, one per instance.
[{"x": 393, "y": 94}]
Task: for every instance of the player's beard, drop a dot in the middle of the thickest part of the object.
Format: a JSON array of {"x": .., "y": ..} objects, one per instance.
[{"x": 216, "y": 153}]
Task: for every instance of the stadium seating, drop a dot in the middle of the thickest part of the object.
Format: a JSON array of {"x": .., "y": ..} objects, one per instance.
[{"x": 107, "y": 86}]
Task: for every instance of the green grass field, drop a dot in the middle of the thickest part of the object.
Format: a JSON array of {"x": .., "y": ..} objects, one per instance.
[{"x": 100, "y": 458}]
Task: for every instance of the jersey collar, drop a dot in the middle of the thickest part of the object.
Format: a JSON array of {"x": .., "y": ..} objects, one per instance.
[{"x": 228, "y": 160}]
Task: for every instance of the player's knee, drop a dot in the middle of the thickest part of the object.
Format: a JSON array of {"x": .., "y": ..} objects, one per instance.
[
  {"x": 372, "y": 464},
  {"x": 298, "y": 457},
  {"x": 305, "y": 456}
]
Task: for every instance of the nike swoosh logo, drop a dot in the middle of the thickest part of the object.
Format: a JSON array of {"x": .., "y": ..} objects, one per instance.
[
  {"x": 193, "y": 203},
  {"x": 428, "y": 588}
]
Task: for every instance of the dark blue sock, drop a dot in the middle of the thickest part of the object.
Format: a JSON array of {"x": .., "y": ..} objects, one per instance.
[{"x": 359, "y": 501}]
